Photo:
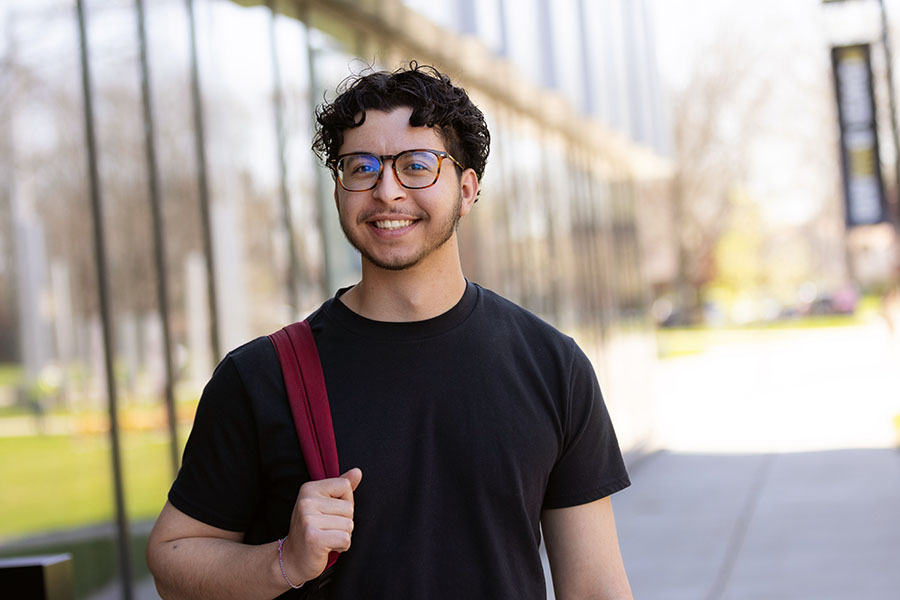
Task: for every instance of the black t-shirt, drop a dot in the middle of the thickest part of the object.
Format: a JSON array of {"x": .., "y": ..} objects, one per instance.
[{"x": 465, "y": 427}]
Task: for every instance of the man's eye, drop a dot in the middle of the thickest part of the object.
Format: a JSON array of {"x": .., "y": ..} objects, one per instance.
[
  {"x": 364, "y": 168},
  {"x": 417, "y": 165}
]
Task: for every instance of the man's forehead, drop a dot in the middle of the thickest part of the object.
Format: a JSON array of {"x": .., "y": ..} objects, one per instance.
[
  {"x": 399, "y": 116},
  {"x": 389, "y": 129}
]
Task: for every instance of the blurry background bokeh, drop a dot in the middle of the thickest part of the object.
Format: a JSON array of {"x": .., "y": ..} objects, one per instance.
[{"x": 665, "y": 177}]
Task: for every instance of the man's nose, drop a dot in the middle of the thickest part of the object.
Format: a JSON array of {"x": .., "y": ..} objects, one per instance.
[{"x": 388, "y": 188}]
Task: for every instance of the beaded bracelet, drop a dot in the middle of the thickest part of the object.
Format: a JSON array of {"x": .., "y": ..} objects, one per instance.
[{"x": 281, "y": 562}]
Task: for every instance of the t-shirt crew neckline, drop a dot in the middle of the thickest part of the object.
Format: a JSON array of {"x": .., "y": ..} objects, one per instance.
[{"x": 410, "y": 330}]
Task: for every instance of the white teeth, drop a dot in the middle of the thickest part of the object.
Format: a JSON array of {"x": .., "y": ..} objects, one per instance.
[{"x": 392, "y": 224}]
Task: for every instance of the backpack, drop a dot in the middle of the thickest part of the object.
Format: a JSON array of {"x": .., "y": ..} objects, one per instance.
[{"x": 305, "y": 385}]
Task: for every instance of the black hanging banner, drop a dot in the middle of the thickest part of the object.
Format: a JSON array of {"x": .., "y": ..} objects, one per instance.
[{"x": 864, "y": 200}]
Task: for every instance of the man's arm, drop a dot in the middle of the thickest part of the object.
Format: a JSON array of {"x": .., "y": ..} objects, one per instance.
[
  {"x": 583, "y": 549},
  {"x": 192, "y": 560}
]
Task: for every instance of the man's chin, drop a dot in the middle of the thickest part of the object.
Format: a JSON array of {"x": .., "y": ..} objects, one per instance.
[{"x": 398, "y": 264}]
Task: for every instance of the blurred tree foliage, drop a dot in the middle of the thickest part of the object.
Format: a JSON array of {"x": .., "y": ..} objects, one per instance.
[
  {"x": 712, "y": 116},
  {"x": 755, "y": 124}
]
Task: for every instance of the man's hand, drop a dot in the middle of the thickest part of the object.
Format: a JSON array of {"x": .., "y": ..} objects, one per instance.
[
  {"x": 322, "y": 521},
  {"x": 190, "y": 559}
]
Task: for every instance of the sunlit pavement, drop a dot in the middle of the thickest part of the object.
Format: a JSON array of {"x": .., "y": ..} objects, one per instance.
[
  {"x": 780, "y": 478},
  {"x": 142, "y": 590}
]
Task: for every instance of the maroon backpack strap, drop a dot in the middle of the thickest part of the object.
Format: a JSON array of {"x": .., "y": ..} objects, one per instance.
[
  {"x": 306, "y": 392},
  {"x": 308, "y": 398}
]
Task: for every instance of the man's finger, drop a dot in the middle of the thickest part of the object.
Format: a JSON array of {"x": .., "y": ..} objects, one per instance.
[
  {"x": 336, "y": 540},
  {"x": 354, "y": 476},
  {"x": 334, "y": 487},
  {"x": 322, "y": 541},
  {"x": 326, "y": 505},
  {"x": 330, "y": 523}
]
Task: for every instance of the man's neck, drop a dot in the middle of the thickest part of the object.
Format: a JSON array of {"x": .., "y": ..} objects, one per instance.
[{"x": 413, "y": 294}]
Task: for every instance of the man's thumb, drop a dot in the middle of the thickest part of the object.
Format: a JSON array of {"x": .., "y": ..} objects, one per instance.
[{"x": 354, "y": 476}]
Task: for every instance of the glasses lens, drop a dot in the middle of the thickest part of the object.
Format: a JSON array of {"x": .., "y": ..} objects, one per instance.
[
  {"x": 359, "y": 171},
  {"x": 417, "y": 168}
]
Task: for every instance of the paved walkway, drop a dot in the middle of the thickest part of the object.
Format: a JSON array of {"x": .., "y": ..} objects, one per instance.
[
  {"x": 799, "y": 526},
  {"x": 780, "y": 478}
]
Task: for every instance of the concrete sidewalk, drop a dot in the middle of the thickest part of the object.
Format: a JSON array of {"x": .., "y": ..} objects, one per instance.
[
  {"x": 780, "y": 479},
  {"x": 800, "y": 526}
]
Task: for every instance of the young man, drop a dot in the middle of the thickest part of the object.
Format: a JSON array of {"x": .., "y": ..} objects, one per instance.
[{"x": 464, "y": 424}]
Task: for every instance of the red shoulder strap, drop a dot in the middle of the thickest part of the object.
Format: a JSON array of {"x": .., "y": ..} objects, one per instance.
[
  {"x": 308, "y": 398},
  {"x": 306, "y": 392}
]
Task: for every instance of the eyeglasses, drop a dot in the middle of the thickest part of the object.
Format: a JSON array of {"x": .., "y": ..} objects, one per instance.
[{"x": 415, "y": 169}]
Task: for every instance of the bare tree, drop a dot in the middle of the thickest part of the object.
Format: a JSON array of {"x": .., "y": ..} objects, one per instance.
[
  {"x": 744, "y": 97},
  {"x": 714, "y": 116}
]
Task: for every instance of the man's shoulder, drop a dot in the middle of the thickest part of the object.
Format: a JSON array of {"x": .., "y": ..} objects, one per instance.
[
  {"x": 498, "y": 306},
  {"x": 251, "y": 350},
  {"x": 504, "y": 314},
  {"x": 251, "y": 360}
]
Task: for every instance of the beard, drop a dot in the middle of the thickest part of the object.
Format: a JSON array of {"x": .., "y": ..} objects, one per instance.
[{"x": 435, "y": 239}]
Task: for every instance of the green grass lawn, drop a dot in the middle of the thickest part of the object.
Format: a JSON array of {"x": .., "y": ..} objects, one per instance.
[
  {"x": 10, "y": 374},
  {"x": 682, "y": 341},
  {"x": 49, "y": 483}
]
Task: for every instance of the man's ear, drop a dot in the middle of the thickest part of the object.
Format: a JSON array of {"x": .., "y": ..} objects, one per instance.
[{"x": 468, "y": 191}]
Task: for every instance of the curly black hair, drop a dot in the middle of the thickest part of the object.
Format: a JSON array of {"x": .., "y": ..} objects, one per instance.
[{"x": 434, "y": 100}]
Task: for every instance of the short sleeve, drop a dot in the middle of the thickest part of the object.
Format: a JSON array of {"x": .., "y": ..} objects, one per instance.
[
  {"x": 218, "y": 482},
  {"x": 590, "y": 464}
]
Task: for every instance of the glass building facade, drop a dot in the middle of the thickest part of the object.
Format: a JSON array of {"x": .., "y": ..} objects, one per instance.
[{"x": 204, "y": 180}]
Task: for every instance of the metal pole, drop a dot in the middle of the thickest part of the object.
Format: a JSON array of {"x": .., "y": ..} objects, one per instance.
[
  {"x": 282, "y": 168},
  {"x": 200, "y": 148},
  {"x": 892, "y": 99},
  {"x": 556, "y": 273},
  {"x": 103, "y": 291},
  {"x": 328, "y": 281},
  {"x": 162, "y": 287},
  {"x": 7, "y": 183}
]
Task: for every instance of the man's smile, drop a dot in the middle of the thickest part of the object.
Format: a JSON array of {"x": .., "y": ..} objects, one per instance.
[{"x": 393, "y": 224}]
